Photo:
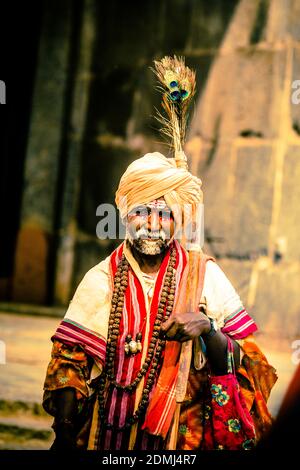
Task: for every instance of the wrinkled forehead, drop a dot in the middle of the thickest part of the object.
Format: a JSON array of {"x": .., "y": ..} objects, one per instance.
[{"x": 157, "y": 204}]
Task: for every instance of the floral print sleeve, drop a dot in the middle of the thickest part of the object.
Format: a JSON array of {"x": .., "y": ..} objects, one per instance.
[
  {"x": 69, "y": 367},
  {"x": 256, "y": 378}
]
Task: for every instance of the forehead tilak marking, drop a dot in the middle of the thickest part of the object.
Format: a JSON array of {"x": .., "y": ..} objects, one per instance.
[{"x": 157, "y": 204}]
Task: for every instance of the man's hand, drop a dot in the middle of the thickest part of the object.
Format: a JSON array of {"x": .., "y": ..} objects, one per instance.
[
  {"x": 66, "y": 411},
  {"x": 65, "y": 439},
  {"x": 185, "y": 326}
]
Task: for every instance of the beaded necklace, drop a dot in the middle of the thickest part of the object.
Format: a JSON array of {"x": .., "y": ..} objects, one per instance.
[
  {"x": 155, "y": 349},
  {"x": 132, "y": 346}
]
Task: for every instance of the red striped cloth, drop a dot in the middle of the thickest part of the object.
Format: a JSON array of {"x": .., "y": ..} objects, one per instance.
[
  {"x": 162, "y": 406},
  {"x": 239, "y": 324},
  {"x": 119, "y": 404},
  {"x": 70, "y": 332}
]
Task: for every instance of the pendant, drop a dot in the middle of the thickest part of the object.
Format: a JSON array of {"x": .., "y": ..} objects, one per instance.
[{"x": 132, "y": 346}]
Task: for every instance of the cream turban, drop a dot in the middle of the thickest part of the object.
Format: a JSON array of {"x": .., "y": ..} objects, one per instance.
[{"x": 153, "y": 176}]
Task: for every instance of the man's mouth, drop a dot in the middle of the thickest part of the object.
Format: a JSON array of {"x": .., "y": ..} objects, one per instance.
[{"x": 144, "y": 234}]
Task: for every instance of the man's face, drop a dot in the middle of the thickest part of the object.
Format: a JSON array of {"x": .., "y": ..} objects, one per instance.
[{"x": 150, "y": 227}]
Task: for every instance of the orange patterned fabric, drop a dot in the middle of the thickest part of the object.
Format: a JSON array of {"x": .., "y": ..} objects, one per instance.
[
  {"x": 69, "y": 367},
  {"x": 192, "y": 411},
  {"x": 256, "y": 378},
  {"x": 162, "y": 406}
]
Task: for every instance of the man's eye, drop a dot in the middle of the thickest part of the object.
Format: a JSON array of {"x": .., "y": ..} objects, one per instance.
[
  {"x": 165, "y": 215},
  {"x": 138, "y": 212}
]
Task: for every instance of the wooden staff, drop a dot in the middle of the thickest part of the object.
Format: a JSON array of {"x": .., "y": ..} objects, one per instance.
[{"x": 178, "y": 84}]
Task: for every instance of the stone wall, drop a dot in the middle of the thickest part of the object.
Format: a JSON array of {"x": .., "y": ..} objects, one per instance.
[
  {"x": 245, "y": 144},
  {"x": 93, "y": 112},
  {"x": 120, "y": 124}
]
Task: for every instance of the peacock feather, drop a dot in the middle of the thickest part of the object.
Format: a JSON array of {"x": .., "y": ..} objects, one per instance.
[{"x": 177, "y": 83}]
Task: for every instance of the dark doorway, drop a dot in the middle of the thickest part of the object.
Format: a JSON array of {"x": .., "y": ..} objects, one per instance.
[{"x": 19, "y": 40}]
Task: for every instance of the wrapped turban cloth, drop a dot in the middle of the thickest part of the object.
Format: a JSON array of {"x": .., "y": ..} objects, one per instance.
[{"x": 153, "y": 176}]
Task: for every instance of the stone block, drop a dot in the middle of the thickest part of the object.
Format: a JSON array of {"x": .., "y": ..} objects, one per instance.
[
  {"x": 102, "y": 167},
  {"x": 251, "y": 203},
  {"x": 235, "y": 78},
  {"x": 238, "y": 198},
  {"x": 31, "y": 260},
  {"x": 289, "y": 220},
  {"x": 244, "y": 21},
  {"x": 295, "y": 92},
  {"x": 239, "y": 273},
  {"x": 145, "y": 99},
  {"x": 277, "y": 302},
  {"x": 113, "y": 87},
  {"x": 216, "y": 200},
  {"x": 283, "y": 20},
  {"x": 135, "y": 32},
  {"x": 43, "y": 154},
  {"x": 207, "y": 23},
  {"x": 201, "y": 62}
]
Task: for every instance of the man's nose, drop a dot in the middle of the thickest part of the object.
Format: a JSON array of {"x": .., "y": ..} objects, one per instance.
[{"x": 154, "y": 221}]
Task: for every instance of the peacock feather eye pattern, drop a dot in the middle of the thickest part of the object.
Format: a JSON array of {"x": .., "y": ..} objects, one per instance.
[
  {"x": 175, "y": 95},
  {"x": 184, "y": 94},
  {"x": 177, "y": 83}
]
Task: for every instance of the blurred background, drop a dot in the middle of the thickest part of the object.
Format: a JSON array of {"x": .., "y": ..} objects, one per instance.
[{"x": 80, "y": 100}]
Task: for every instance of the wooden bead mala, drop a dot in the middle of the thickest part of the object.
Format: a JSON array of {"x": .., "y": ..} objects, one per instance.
[{"x": 155, "y": 348}]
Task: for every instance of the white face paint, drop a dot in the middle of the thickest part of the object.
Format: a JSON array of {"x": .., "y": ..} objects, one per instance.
[
  {"x": 150, "y": 247},
  {"x": 149, "y": 227}
]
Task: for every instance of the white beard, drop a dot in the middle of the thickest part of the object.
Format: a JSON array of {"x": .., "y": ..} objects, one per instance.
[{"x": 148, "y": 246}]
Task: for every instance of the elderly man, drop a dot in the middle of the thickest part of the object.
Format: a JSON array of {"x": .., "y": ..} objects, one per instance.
[{"x": 111, "y": 378}]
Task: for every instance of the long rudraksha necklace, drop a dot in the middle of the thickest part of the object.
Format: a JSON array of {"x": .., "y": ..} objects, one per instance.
[{"x": 156, "y": 345}]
